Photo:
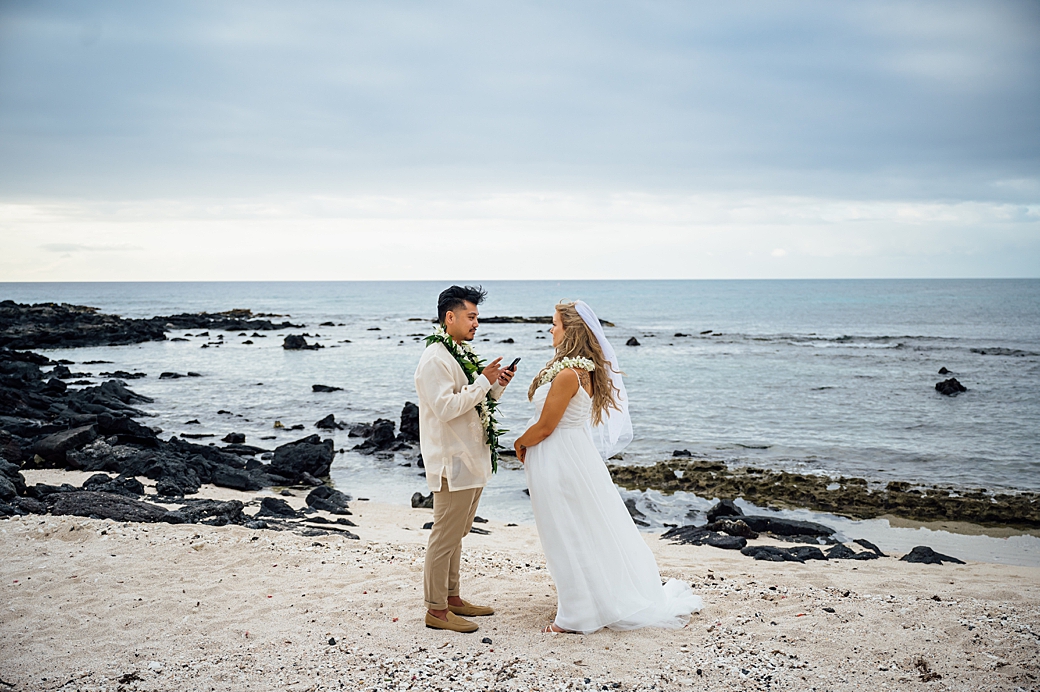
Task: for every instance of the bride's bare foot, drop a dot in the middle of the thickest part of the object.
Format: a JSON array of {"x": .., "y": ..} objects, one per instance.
[{"x": 553, "y": 628}]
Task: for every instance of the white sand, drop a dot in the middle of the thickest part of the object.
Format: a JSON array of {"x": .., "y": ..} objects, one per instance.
[{"x": 88, "y": 603}]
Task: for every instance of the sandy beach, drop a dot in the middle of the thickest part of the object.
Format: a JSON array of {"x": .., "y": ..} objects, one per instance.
[{"x": 101, "y": 605}]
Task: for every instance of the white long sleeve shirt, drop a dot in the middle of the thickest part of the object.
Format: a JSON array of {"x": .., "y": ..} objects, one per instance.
[{"x": 450, "y": 434}]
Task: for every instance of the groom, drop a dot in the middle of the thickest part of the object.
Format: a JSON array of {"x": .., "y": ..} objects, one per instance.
[{"x": 455, "y": 452}]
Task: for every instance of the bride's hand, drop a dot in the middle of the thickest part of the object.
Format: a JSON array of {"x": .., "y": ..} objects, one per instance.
[{"x": 521, "y": 451}]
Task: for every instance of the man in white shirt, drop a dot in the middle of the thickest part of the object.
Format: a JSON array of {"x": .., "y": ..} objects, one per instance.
[{"x": 455, "y": 453}]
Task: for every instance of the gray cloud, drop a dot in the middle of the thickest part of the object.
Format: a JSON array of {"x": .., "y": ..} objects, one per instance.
[
  {"x": 893, "y": 99},
  {"x": 888, "y": 138}
]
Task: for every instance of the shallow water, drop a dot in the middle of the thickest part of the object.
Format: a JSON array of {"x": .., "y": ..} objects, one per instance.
[{"x": 832, "y": 377}]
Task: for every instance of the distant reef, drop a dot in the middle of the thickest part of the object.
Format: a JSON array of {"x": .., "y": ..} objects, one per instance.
[
  {"x": 850, "y": 497},
  {"x": 60, "y": 325}
]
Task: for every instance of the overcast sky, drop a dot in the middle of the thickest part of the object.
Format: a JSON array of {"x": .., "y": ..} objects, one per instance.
[{"x": 330, "y": 140}]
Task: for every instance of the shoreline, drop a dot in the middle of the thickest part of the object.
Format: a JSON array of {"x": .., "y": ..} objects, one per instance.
[{"x": 95, "y": 603}]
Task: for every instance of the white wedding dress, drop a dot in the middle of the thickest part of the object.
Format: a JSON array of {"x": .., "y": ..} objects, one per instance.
[{"x": 605, "y": 574}]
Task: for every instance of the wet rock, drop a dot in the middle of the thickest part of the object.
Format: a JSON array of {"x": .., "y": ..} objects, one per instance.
[
  {"x": 295, "y": 342},
  {"x": 170, "y": 376},
  {"x": 950, "y": 387},
  {"x": 325, "y": 388},
  {"x": 944, "y": 371},
  {"x": 329, "y": 500},
  {"x": 274, "y": 507},
  {"x": 86, "y": 503},
  {"x": 770, "y": 553},
  {"x": 682, "y": 453},
  {"x": 123, "y": 485},
  {"x": 216, "y": 512},
  {"x": 843, "y": 552},
  {"x": 409, "y": 423},
  {"x": 311, "y": 455},
  {"x": 7, "y": 490},
  {"x": 167, "y": 488},
  {"x": 29, "y": 505},
  {"x": 632, "y": 342},
  {"x": 54, "y": 447},
  {"x": 230, "y": 320},
  {"x": 44, "y": 491},
  {"x": 329, "y": 423},
  {"x": 422, "y": 501},
  {"x": 50, "y": 325},
  {"x": 732, "y": 528},
  {"x": 360, "y": 430},
  {"x": 637, "y": 517},
  {"x": 13, "y": 475},
  {"x": 698, "y": 535},
  {"x": 925, "y": 555},
  {"x": 237, "y": 479},
  {"x": 382, "y": 438},
  {"x": 234, "y": 438},
  {"x": 124, "y": 375},
  {"x": 786, "y": 527},
  {"x": 724, "y": 508},
  {"x": 869, "y": 546}
]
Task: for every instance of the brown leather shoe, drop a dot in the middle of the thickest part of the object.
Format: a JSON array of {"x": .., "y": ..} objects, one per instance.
[
  {"x": 470, "y": 610},
  {"x": 453, "y": 623}
]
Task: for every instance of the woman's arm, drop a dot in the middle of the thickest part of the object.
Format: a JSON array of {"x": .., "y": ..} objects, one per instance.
[{"x": 563, "y": 388}]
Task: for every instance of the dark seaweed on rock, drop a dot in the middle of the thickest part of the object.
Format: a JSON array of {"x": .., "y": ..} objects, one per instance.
[{"x": 852, "y": 498}]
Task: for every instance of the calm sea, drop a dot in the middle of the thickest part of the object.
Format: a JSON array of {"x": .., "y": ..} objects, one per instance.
[{"x": 833, "y": 377}]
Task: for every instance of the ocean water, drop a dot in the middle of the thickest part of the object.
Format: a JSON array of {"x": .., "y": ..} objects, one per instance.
[{"x": 833, "y": 377}]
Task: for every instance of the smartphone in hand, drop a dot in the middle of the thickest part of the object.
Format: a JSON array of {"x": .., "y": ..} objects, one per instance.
[{"x": 512, "y": 366}]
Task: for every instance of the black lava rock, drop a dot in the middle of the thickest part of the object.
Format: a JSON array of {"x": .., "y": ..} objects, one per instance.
[
  {"x": 409, "y": 423},
  {"x": 328, "y": 499},
  {"x": 632, "y": 342},
  {"x": 843, "y": 552},
  {"x": 273, "y": 507},
  {"x": 724, "y": 508},
  {"x": 325, "y": 388},
  {"x": 311, "y": 456},
  {"x": 382, "y": 438},
  {"x": 925, "y": 555},
  {"x": 422, "y": 501},
  {"x": 236, "y": 479},
  {"x": 295, "y": 342},
  {"x": 950, "y": 387},
  {"x": 106, "y": 506},
  {"x": 329, "y": 423},
  {"x": 234, "y": 438},
  {"x": 732, "y": 527},
  {"x": 698, "y": 535}
]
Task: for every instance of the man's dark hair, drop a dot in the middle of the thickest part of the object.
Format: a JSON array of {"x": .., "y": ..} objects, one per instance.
[{"x": 455, "y": 297}]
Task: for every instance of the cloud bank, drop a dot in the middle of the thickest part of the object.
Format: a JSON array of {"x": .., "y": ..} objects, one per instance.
[{"x": 186, "y": 141}]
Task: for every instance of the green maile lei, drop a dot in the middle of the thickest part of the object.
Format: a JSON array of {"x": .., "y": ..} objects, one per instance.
[{"x": 472, "y": 365}]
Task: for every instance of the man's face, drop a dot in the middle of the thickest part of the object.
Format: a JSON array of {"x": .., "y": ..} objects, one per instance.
[{"x": 461, "y": 324}]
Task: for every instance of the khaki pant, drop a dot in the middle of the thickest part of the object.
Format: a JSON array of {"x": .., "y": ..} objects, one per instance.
[{"x": 453, "y": 513}]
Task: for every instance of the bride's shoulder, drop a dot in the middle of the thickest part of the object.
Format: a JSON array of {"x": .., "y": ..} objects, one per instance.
[{"x": 566, "y": 379}]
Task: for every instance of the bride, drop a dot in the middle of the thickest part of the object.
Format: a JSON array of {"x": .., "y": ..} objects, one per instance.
[{"x": 604, "y": 572}]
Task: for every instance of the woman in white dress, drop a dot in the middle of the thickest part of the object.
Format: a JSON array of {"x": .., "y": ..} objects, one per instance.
[{"x": 605, "y": 574}]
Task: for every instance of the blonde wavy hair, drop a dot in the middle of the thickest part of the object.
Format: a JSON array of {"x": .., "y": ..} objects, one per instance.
[{"x": 578, "y": 340}]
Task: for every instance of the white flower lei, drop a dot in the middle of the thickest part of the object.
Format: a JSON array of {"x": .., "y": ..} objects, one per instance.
[{"x": 564, "y": 363}]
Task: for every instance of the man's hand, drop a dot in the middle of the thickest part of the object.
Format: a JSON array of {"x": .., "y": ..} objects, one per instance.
[
  {"x": 493, "y": 370},
  {"x": 505, "y": 377}
]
